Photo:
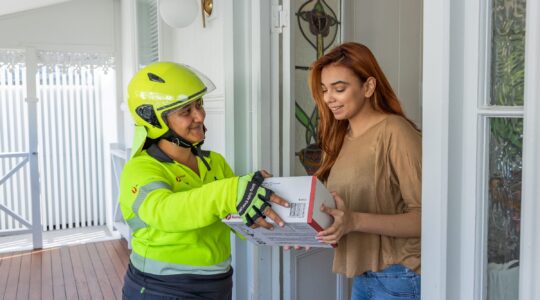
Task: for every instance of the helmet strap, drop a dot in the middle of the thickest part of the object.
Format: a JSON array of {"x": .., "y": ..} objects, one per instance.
[
  {"x": 197, "y": 151},
  {"x": 174, "y": 138}
]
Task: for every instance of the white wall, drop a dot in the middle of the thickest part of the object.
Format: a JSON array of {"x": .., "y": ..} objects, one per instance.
[
  {"x": 13, "y": 6},
  {"x": 203, "y": 48},
  {"x": 392, "y": 29},
  {"x": 75, "y": 23}
]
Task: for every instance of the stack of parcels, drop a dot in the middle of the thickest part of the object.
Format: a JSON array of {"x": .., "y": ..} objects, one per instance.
[{"x": 303, "y": 219}]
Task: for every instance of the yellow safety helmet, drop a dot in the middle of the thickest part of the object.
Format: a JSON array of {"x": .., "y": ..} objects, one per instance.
[{"x": 160, "y": 88}]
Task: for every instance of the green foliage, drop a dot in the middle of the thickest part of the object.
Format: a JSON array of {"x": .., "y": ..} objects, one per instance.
[
  {"x": 507, "y": 135},
  {"x": 508, "y": 75},
  {"x": 309, "y": 122},
  {"x": 506, "y": 141},
  {"x": 508, "y": 52}
]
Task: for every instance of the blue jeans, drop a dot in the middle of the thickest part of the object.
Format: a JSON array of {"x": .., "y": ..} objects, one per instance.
[{"x": 396, "y": 282}]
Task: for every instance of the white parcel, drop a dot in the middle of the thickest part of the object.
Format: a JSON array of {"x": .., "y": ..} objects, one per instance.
[{"x": 303, "y": 219}]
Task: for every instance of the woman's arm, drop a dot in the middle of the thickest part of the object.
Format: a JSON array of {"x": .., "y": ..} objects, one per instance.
[{"x": 406, "y": 225}]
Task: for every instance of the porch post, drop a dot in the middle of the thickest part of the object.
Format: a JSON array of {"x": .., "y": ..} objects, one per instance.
[{"x": 31, "y": 99}]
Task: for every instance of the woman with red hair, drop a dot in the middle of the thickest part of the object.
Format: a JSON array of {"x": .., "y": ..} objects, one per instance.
[{"x": 372, "y": 161}]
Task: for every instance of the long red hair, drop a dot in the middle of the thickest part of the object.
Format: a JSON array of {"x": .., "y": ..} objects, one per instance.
[{"x": 331, "y": 132}]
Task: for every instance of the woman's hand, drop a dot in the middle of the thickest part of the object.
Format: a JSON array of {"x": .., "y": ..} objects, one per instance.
[{"x": 342, "y": 222}]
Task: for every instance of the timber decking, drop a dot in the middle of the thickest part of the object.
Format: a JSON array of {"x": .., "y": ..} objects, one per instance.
[{"x": 85, "y": 271}]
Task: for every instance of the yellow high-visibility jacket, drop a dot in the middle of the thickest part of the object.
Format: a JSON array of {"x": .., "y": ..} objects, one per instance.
[{"x": 175, "y": 215}]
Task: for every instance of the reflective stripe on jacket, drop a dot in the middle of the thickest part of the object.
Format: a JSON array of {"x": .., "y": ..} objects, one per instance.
[{"x": 175, "y": 215}]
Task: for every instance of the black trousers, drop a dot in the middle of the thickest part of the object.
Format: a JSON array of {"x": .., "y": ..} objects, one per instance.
[{"x": 139, "y": 285}]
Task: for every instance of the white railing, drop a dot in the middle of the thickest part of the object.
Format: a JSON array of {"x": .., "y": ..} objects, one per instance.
[
  {"x": 15, "y": 198},
  {"x": 119, "y": 156},
  {"x": 71, "y": 148},
  {"x": 70, "y": 151}
]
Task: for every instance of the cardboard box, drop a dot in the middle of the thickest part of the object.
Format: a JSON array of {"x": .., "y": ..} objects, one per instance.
[{"x": 303, "y": 219}]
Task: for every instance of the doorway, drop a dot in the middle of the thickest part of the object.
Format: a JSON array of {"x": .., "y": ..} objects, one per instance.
[{"x": 393, "y": 31}]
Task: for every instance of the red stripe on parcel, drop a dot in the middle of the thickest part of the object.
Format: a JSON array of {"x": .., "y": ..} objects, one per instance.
[{"x": 312, "y": 200}]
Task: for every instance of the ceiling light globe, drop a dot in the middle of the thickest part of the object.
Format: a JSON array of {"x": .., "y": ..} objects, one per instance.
[{"x": 178, "y": 13}]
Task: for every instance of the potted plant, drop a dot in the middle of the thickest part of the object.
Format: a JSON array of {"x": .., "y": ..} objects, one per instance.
[{"x": 310, "y": 156}]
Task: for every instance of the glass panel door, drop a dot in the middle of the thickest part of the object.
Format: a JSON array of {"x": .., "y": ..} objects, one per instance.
[
  {"x": 314, "y": 29},
  {"x": 504, "y": 207},
  {"x": 503, "y": 113}
]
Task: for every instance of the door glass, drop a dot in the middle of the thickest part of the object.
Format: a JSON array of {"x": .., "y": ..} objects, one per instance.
[
  {"x": 505, "y": 149},
  {"x": 504, "y": 207},
  {"x": 507, "y": 52},
  {"x": 316, "y": 32}
]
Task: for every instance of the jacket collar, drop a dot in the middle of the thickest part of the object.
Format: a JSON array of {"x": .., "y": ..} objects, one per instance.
[{"x": 158, "y": 154}]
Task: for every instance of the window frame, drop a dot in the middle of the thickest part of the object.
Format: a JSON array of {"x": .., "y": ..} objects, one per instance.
[
  {"x": 529, "y": 272},
  {"x": 484, "y": 112}
]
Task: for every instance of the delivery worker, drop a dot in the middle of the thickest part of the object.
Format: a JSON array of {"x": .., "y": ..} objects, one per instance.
[{"x": 173, "y": 195}]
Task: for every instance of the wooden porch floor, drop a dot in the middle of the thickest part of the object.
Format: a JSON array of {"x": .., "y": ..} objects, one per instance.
[{"x": 86, "y": 271}]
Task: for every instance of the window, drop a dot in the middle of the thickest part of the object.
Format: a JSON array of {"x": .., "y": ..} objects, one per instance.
[
  {"x": 501, "y": 116},
  {"x": 147, "y": 32}
]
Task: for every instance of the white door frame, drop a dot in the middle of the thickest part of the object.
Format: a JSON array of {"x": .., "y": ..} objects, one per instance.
[
  {"x": 452, "y": 83},
  {"x": 257, "y": 132},
  {"x": 250, "y": 134},
  {"x": 435, "y": 99},
  {"x": 529, "y": 275}
]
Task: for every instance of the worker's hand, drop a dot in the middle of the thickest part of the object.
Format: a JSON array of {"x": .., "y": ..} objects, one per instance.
[{"x": 253, "y": 203}]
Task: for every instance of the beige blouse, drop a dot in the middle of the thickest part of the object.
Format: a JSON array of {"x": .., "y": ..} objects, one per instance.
[{"x": 379, "y": 172}]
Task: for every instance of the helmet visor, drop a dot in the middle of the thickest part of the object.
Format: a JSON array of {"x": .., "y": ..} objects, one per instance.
[
  {"x": 210, "y": 87},
  {"x": 186, "y": 99}
]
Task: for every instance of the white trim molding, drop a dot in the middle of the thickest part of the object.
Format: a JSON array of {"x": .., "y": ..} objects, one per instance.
[
  {"x": 214, "y": 104},
  {"x": 435, "y": 98},
  {"x": 462, "y": 203},
  {"x": 288, "y": 91},
  {"x": 529, "y": 276},
  {"x": 12, "y": 57}
]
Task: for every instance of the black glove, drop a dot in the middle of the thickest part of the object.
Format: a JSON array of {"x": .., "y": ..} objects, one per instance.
[{"x": 253, "y": 198}]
